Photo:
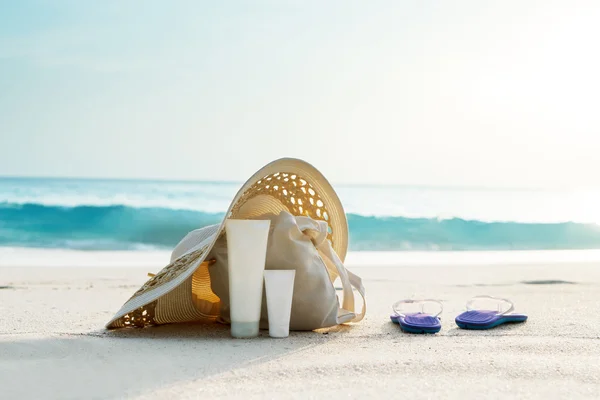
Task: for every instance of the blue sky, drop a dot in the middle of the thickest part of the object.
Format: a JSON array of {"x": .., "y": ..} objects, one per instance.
[{"x": 424, "y": 92}]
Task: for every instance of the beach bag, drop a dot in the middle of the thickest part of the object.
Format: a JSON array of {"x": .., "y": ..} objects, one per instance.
[{"x": 298, "y": 243}]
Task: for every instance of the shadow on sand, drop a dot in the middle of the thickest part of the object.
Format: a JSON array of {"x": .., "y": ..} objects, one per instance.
[{"x": 128, "y": 362}]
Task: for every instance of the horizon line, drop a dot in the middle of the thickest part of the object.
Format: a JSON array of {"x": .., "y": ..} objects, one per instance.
[{"x": 340, "y": 184}]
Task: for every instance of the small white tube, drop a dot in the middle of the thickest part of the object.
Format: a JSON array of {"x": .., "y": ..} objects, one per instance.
[
  {"x": 246, "y": 252},
  {"x": 279, "y": 285}
]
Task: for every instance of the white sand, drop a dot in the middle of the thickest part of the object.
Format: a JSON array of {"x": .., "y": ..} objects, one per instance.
[{"x": 53, "y": 345}]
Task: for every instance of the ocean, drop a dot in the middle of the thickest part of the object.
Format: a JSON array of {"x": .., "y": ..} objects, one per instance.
[{"x": 124, "y": 215}]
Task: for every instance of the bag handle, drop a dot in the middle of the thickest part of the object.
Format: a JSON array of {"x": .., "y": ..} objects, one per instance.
[
  {"x": 317, "y": 231},
  {"x": 356, "y": 282},
  {"x": 349, "y": 281}
]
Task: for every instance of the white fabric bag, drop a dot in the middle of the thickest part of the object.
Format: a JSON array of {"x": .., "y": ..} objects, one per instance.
[{"x": 300, "y": 244}]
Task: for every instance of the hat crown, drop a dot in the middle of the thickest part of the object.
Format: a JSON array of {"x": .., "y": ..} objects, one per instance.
[{"x": 294, "y": 194}]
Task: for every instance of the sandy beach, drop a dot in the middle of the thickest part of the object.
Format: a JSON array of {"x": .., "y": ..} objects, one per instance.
[
  {"x": 440, "y": 150},
  {"x": 53, "y": 344}
]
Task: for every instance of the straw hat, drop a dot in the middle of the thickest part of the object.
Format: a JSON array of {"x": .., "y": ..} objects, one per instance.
[{"x": 181, "y": 291}]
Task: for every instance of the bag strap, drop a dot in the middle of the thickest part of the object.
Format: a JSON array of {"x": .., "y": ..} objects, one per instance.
[
  {"x": 317, "y": 230},
  {"x": 356, "y": 282},
  {"x": 349, "y": 281}
]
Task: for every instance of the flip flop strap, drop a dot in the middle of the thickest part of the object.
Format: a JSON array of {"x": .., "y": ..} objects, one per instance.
[
  {"x": 422, "y": 302},
  {"x": 510, "y": 303}
]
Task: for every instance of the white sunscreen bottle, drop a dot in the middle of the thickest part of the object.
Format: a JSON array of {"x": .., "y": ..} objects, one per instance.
[
  {"x": 246, "y": 252},
  {"x": 279, "y": 285}
]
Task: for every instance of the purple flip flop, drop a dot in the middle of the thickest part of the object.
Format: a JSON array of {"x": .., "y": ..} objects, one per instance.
[
  {"x": 417, "y": 322},
  {"x": 482, "y": 316}
]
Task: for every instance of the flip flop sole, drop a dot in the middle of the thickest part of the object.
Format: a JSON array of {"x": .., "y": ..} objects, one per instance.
[
  {"x": 410, "y": 329},
  {"x": 472, "y": 320},
  {"x": 419, "y": 323}
]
